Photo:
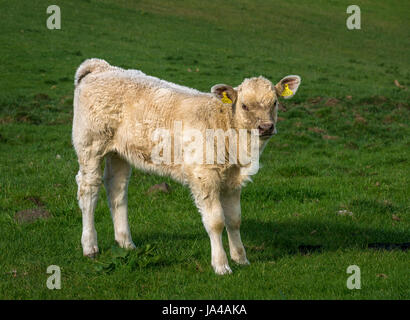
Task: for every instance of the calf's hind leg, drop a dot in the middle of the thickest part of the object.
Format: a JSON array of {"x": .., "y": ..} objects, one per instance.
[
  {"x": 89, "y": 181},
  {"x": 116, "y": 175}
]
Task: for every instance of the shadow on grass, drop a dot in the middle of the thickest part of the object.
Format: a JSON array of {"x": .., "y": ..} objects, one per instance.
[
  {"x": 272, "y": 240},
  {"x": 267, "y": 241}
]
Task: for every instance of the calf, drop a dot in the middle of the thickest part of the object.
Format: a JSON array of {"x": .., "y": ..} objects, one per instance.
[{"x": 117, "y": 114}]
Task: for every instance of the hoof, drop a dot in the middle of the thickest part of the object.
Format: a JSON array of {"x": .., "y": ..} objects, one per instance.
[
  {"x": 223, "y": 269},
  {"x": 242, "y": 262},
  {"x": 127, "y": 245},
  {"x": 92, "y": 253}
]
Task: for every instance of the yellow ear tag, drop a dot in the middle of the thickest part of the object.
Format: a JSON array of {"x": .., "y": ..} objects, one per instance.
[
  {"x": 287, "y": 92},
  {"x": 225, "y": 98}
]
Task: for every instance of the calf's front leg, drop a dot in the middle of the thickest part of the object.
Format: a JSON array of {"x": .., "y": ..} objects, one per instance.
[
  {"x": 231, "y": 204},
  {"x": 211, "y": 210}
]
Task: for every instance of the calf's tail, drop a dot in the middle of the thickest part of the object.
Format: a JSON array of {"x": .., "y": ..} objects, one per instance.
[{"x": 90, "y": 66}]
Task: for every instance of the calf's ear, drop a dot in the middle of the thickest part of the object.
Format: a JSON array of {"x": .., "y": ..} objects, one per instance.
[
  {"x": 288, "y": 86},
  {"x": 226, "y": 93}
]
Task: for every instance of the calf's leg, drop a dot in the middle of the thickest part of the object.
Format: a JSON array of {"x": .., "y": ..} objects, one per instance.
[
  {"x": 231, "y": 204},
  {"x": 116, "y": 176},
  {"x": 209, "y": 205},
  {"x": 89, "y": 181}
]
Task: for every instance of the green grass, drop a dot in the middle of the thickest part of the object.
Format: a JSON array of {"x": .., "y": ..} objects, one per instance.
[{"x": 305, "y": 180}]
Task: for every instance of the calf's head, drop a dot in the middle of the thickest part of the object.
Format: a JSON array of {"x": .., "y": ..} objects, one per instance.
[{"x": 255, "y": 102}]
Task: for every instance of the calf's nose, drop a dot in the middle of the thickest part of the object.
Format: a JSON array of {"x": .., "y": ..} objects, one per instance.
[{"x": 266, "y": 128}]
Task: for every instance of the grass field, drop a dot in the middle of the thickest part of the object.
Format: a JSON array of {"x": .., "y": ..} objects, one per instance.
[{"x": 342, "y": 144}]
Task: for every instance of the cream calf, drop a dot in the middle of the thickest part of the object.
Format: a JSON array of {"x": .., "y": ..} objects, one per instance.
[{"x": 116, "y": 115}]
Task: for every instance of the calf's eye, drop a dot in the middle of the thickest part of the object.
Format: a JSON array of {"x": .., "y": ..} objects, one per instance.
[{"x": 244, "y": 107}]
